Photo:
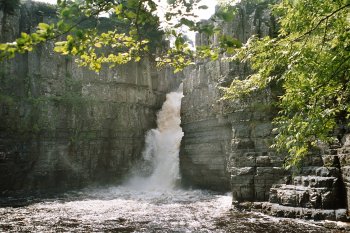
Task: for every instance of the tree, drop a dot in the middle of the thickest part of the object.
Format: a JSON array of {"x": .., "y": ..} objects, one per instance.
[
  {"x": 310, "y": 60},
  {"x": 135, "y": 32}
]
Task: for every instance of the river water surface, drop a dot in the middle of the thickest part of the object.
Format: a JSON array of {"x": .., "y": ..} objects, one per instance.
[
  {"x": 121, "y": 209},
  {"x": 148, "y": 201}
]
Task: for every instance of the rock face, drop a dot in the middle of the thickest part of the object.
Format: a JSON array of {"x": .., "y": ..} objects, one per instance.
[
  {"x": 343, "y": 155},
  {"x": 63, "y": 126},
  {"x": 317, "y": 192},
  {"x": 227, "y": 144},
  {"x": 206, "y": 141}
]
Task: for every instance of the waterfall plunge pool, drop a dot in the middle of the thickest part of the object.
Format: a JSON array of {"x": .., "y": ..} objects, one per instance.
[
  {"x": 122, "y": 209},
  {"x": 147, "y": 202}
]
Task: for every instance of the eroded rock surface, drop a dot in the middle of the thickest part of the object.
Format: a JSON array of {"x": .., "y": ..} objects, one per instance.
[
  {"x": 63, "y": 126},
  {"x": 226, "y": 144}
]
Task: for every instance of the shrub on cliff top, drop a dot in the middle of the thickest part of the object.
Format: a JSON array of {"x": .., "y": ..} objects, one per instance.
[
  {"x": 145, "y": 34},
  {"x": 310, "y": 58}
]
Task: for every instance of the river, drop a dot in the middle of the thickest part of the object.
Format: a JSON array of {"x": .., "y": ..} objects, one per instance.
[
  {"x": 122, "y": 209},
  {"x": 149, "y": 201}
]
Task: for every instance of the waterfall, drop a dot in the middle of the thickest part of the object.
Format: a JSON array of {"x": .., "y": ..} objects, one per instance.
[{"x": 162, "y": 145}]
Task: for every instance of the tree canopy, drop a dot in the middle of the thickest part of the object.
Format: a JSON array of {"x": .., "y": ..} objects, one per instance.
[
  {"x": 309, "y": 58},
  {"x": 136, "y": 31}
]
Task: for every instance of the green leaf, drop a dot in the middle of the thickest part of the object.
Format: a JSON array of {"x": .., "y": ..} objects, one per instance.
[
  {"x": 3, "y": 46},
  {"x": 43, "y": 26},
  {"x": 118, "y": 9}
]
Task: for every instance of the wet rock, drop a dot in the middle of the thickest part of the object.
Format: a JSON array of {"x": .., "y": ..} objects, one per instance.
[
  {"x": 306, "y": 213},
  {"x": 327, "y": 171}
]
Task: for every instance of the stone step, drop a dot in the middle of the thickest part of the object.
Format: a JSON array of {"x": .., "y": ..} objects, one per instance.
[
  {"x": 312, "y": 161},
  {"x": 305, "y": 213},
  {"x": 331, "y": 160},
  {"x": 316, "y": 181},
  {"x": 320, "y": 171},
  {"x": 307, "y": 197}
]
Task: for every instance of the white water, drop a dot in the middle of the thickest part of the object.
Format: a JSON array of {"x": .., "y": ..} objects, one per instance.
[
  {"x": 162, "y": 147},
  {"x": 145, "y": 204}
]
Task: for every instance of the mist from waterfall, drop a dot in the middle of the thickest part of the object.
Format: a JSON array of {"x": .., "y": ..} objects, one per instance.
[
  {"x": 160, "y": 163},
  {"x": 148, "y": 201}
]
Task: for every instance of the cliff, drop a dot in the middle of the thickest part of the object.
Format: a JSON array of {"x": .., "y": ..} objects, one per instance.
[
  {"x": 226, "y": 144},
  {"x": 63, "y": 126}
]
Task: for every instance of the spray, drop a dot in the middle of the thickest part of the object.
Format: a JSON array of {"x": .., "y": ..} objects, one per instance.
[{"x": 162, "y": 147}]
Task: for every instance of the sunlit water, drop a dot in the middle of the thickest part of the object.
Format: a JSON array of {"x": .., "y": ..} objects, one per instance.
[
  {"x": 118, "y": 209},
  {"x": 121, "y": 209},
  {"x": 148, "y": 202}
]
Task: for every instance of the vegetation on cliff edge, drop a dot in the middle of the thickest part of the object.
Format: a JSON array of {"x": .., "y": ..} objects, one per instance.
[
  {"x": 309, "y": 58},
  {"x": 138, "y": 28}
]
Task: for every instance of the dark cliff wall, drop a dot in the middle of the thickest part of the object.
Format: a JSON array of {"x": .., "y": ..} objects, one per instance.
[
  {"x": 63, "y": 126},
  {"x": 343, "y": 154},
  {"x": 226, "y": 144},
  {"x": 205, "y": 145}
]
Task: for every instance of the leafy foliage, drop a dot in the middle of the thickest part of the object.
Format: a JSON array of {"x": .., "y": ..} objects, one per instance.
[
  {"x": 310, "y": 58},
  {"x": 134, "y": 31}
]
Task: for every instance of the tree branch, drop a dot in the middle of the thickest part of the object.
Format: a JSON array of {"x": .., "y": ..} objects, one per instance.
[{"x": 321, "y": 21}]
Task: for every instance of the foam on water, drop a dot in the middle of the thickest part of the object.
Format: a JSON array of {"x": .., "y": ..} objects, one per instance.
[
  {"x": 120, "y": 208},
  {"x": 162, "y": 148},
  {"x": 146, "y": 203}
]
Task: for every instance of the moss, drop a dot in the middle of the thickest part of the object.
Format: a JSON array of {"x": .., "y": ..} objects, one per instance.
[
  {"x": 262, "y": 107},
  {"x": 6, "y": 100}
]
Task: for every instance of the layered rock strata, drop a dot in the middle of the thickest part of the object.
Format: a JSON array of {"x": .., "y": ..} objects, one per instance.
[
  {"x": 63, "y": 126},
  {"x": 206, "y": 141},
  {"x": 226, "y": 144},
  {"x": 316, "y": 193},
  {"x": 343, "y": 155}
]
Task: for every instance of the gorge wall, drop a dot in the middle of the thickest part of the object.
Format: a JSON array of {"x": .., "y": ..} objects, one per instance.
[
  {"x": 63, "y": 126},
  {"x": 227, "y": 144}
]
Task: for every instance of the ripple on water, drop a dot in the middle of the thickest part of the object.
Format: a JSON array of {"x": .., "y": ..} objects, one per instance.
[{"x": 120, "y": 209}]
